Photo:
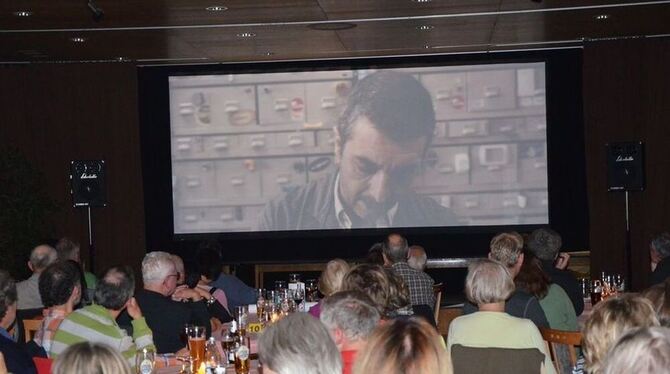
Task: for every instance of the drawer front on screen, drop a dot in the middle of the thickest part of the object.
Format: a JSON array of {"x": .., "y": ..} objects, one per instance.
[
  {"x": 207, "y": 219},
  {"x": 281, "y": 174},
  {"x": 194, "y": 181},
  {"x": 446, "y": 166},
  {"x": 493, "y": 164},
  {"x": 325, "y": 101},
  {"x": 325, "y": 141},
  {"x": 491, "y": 90},
  {"x": 238, "y": 180},
  {"x": 294, "y": 141},
  {"x": 533, "y": 163},
  {"x": 231, "y": 107},
  {"x": 281, "y": 103},
  {"x": 448, "y": 93}
]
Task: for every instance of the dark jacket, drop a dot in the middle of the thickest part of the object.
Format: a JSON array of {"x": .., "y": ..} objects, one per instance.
[
  {"x": 522, "y": 305},
  {"x": 312, "y": 207},
  {"x": 16, "y": 359},
  {"x": 568, "y": 282},
  {"x": 661, "y": 272}
]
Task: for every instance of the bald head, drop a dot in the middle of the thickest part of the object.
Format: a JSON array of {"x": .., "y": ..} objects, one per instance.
[{"x": 40, "y": 257}]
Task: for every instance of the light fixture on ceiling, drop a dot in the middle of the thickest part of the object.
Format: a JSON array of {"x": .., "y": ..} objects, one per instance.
[
  {"x": 23, "y": 13},
  {"x": 122, "y": 59},
  {"x": 246, "y": 34},
  {"x": 425, "y": 27},
  {"x": 602, "y": 17},
  {"x": 421, "y": 1},
  {"x": 217, "y": 8},
  {"x": 269, "y": 53},
  {"x": 77, "y": 39}
]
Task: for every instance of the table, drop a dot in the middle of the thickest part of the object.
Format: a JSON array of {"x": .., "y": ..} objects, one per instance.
[{"x": 230, "y": 369}]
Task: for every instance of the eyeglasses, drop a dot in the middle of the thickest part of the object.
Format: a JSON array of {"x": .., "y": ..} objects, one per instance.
[{"x": 176, "y": 275}]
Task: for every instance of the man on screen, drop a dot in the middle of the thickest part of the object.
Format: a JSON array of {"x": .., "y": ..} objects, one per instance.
[{"x": 380, "y": 142}]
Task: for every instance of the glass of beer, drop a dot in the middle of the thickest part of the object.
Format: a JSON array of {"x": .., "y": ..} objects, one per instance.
[
  {"x": 242, "y": 359},
  {"x": 196, "y": 345}
]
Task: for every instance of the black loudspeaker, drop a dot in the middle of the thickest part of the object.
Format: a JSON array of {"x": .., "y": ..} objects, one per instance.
[
  {"x": 625, "y": 166},
  {"x": 88, "y": 183}
]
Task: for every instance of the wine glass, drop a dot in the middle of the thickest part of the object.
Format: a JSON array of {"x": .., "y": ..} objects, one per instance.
[{"x": 298, "y": 297}]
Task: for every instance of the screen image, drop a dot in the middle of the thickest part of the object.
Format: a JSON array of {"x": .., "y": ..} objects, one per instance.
[{"x": 434, "y": 146}]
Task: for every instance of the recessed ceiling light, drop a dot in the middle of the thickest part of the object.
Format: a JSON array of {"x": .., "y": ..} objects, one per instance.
[
  {"x": 23, "y": 13},
  {"x": 217, "y": 8},
  {"x": 246, "y": 34},
  {"x": 425, "y": 27},
  {"x": 122, "y": 59},
  {"x": 269, "y": 53},
  {"x": 421, "y": 1},
  {"x": 78, "y": 39},
  {"x": 602, "y": 17}
]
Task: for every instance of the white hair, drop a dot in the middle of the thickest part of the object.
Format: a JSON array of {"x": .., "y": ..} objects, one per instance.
[
  {"x": 42, "y": 256},
  {"x": 156, "y": 266},
  {"x": 417, "y": 261}
]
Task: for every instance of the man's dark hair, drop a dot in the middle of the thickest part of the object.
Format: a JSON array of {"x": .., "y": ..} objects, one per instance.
[
  {"x": 396, "y": 103},
  {"x": 661, "y": 243},
  {"x": 375, "y": 254},
  {"x": 66, "y": 248},
  {"x": 57, "y": 282},
  {"x": 115, "y": 288},
  {"x": 209, "y": 263},
  {"x": 544, "y": 243},
  {"x": 7, "y": 292},
  {"x": 396, "y": 248}
]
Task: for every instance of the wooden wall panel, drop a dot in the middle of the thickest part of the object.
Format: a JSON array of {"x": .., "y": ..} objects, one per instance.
[
  {"x": 60, "y": 112},
  {"x": 626, "y": 96}
]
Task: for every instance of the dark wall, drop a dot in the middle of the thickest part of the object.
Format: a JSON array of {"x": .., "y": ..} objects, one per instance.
[
  {"x": 56, "y": 113},
  {"x": 627, "y": 97}
]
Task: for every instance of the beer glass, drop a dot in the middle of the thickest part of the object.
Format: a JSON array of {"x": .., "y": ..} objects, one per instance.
[
  {"x": 242, "y": 359},
  {"x": 145, "y": 360},
  {"x": 196, "y": 345}
]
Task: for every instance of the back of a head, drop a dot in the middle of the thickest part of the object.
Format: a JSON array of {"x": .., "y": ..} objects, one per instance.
[
  {"x": 156, "y": 266},
  {"x": 90, "y": 358},
  {"x": 532, "y": 277},
  {"x": 58, "y": 281},
  {"x": 386, "y": 289},
  {"x": 659, "y": 296},
  {"x": 396, "y": 103},
  {"x": 611, "y": 319},
  {"x": 396, "y": 248},
  {"x": 352, "y": 312},
  {"x": 68, "y": 249},
  {"x": 42, "y": 256},
  {"x": 115, "y": 288},
  {"x": 209, "y": 263},
  {"x": 417, "y": 257},
  {"x": 7, "y": 292},
  {"x": 506, "y": 248},
  {"x": 545, "y": 243},
  {"x": 299, "y": 344},
  {"x": 375, "y": 255},
  {"x": 661, "y": 244},
  {"x": 641, "y": 351},
  {"x": 404, "y": 346},
  {"x": 488, "y": 282},
  {"x": 330, "y": 280}
]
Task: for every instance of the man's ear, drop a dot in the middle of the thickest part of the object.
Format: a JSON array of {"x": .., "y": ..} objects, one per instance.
[
  {"x": 338, "y": 145},
  {"x": 338, "y": 336},
  {"x": 30, "y": 266}
]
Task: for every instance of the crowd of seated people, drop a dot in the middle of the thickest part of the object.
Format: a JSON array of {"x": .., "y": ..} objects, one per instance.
[{"x": 376, "y": 315}]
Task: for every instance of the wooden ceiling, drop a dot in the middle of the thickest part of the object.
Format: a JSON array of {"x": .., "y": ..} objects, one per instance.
[{"x": 183, "y": 31}]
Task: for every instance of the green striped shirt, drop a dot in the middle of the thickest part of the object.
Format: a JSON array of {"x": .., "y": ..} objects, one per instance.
[{"x": 94, "y": 324}]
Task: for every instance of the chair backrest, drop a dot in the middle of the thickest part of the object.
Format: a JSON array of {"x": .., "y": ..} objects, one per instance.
[
  {"x": 561, "y": 345},
  {"x": 437, "y": 291},
  {"x": 43, "y": 365},
  {"x": 491, "y": 360},
  {"x": 30, "y": 327}
]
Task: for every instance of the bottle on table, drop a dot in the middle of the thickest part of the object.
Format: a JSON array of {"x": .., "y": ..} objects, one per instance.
[{"x": 213, "y": 362}]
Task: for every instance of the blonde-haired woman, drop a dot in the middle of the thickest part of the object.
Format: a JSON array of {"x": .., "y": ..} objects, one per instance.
[
  {"x": 644, "y": 350},
  {"x": 330, "y": 281},
  {"x": 90, "y": 358},
  {"x": 404, "y": 345}
]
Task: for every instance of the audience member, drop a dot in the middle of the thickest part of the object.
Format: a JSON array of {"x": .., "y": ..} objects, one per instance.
[
  {"x": 209, "y": 267},
  {"x": 236, "y": 291},
  {"x": 160, "y": 301},
  {"x": 420, "y": 284},
  {"x": 70, "y": 250},
  {"x": 659, "y": 295},
  {"x": 385, "y": 288},
  {"x": 609, "y": 320},
  {"x": 554, "y": 301},
  {"x": 659, "y": 250},
  {"x": 298, "y": 344},
  {"x": 375, "y": 255},
  {"x": 214, "y": 297},
  {"x": 643, "y": 350},
  {"x": 94, "y": 358},
  {"x": 180, "y": 269},
  {"x": 60, "y": 289},
  {"x": 96, "y": 323},
  {"x": 507, "y": 249},
  {"x": 16, "y": 359},
  {"x": 487, "y": 285},
  {"x": 407, "y": 345},
  {"x": 350, "y": 317},
  {"x": 545, "y": 244},
  {"x": 417, "y": 258},
  {"x": 330, "y": 281},
  {"x": 28, "y": 290}
]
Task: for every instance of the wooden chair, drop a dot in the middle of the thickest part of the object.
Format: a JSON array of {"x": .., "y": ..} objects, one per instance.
[
  {"x": 492, "y": 360},
  {"x": 30, "y": 327},
  {"x": 437, "y": 291},
  {"x": 558, "y": 341}
]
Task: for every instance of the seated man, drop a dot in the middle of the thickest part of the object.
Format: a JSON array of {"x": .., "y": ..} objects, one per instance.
[
  {"x": 350, "y": 317},
  {"x": 237, "y": 292},
  {"x": 659, "y": 249},
  {"x": 507, "y": 249},
  {"x": 165, "y": 315},
  {"x": 15, "y": 358},
  {"x": 97, "y": 323},
  {"x": 28, "y": 290},
  {"x": 70, "y": 250},
  {"x": 60, "y": 289},
  {"x": 420, "y": 284},
  {"x": 417, "y": 258}
]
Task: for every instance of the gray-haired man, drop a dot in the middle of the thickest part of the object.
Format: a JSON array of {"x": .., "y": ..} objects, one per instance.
[{"x": 28, "y": 290}]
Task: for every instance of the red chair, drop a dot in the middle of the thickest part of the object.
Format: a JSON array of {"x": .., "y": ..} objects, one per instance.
[{"x": 43, "y": 365}]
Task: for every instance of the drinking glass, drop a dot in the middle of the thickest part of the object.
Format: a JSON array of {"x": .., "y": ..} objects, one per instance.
[
  {"x": 242, "y": 317},
  {"x": 596, "y": 292},
  {"x": 196, "y": 345},
  {"x": 311, "y": 290},
  {"x": 298, "y": 297},
  {"x": 145, "y": 361}
]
